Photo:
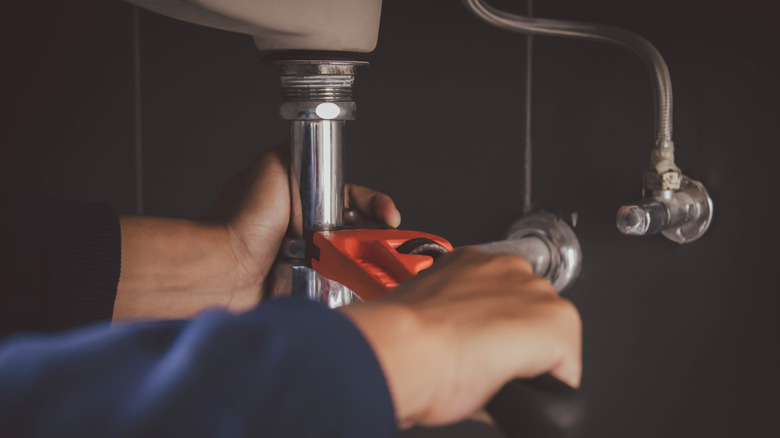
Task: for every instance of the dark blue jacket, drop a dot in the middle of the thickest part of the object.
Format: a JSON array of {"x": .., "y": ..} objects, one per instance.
[{"x": 290, "y": 368}]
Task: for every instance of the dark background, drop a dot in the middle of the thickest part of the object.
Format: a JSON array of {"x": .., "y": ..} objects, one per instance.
[{"x": 678, "y": 340}]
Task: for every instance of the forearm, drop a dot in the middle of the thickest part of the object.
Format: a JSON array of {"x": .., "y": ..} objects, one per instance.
[
  {"x": 288, "y": 368},
  {"x": 175, "y": 268}
]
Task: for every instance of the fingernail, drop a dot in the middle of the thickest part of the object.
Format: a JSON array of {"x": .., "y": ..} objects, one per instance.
[{"x": 394, "y": 218}]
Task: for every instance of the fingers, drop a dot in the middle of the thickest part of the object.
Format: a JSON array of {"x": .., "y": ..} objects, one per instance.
[
  {"x": 569, "y": 370},
  {"x": 482, "y": 416},
  {"x": 545, "y": 327},
  {"x": 372, "y": 204},
  {"x": 480, "y": 320},
  {"x": 547, "y": 339},
  {"x": 496, "y": 264},
  {"x": 571, "y": 374}
]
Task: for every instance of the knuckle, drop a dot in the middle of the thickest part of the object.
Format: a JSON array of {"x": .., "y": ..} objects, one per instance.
[
  {"x": 568, "y": 311},
  {"x": 467, "y": 252},
  {"x": 541, "y": 284},
  {"x": 513, "y": 262}
]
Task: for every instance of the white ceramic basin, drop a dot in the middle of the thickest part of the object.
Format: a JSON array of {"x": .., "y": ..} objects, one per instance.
[{"x": 341, "y": 25}]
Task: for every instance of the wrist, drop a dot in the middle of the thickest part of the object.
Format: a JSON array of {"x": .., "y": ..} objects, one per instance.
[
  {"x": 176, "y": 268},
  {"x": 397, "y": 337}
]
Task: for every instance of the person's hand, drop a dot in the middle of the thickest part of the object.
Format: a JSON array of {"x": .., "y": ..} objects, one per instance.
[
  {"x": 175, "y": 268},
  {"x": 255, "y": 210},
  {"x": 450, "y": 337}
]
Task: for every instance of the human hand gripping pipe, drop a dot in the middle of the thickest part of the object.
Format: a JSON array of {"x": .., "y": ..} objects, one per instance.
[
  {"x": 364, "y": 264},
  {"x": 338, "y": 259}
]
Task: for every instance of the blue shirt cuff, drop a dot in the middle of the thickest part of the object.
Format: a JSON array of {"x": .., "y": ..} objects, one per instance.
[{"x": 342, "y": 364}]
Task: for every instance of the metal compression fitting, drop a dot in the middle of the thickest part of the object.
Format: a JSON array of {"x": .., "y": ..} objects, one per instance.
[
  {"x": 317, "y": 99},
  {"x": 662, "y": 159}
]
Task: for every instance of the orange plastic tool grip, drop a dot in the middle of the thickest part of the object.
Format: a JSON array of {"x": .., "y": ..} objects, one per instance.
[{"x": 366, "y": 261}]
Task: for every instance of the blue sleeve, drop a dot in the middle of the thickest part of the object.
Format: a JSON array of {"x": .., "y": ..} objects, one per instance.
[{"x": 290, "y": 368}]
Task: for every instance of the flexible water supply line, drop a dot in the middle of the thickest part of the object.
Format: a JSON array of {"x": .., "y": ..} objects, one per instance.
[
  {"x": 662, "y": 158},
  {"x": 676, "y": 206}
]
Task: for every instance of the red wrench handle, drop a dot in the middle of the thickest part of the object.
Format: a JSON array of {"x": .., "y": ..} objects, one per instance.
[{"x": 369, "y": 261}]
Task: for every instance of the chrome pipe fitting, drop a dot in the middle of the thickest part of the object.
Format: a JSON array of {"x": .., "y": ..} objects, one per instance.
[
  {"x": 681, "y": 215},
  {"x": 290, "y": 276},
  {"x": 316, "y": 159},
  {"x": 317, "y": 99},
  {"x": 548, "y": 242},
  {"x": 532, "y": 248}
]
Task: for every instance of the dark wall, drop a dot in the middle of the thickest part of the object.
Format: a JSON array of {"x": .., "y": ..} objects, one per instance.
[{"x": 678, "y": 340}]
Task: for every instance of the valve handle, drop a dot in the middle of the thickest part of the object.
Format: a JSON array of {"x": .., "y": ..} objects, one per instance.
[{"x": 542, "y": 407}]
